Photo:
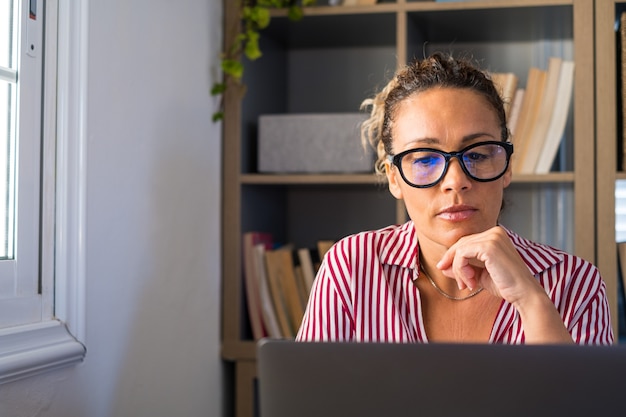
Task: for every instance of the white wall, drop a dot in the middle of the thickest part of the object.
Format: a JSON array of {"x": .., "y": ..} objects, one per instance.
[{"x": 153, "y": 221}]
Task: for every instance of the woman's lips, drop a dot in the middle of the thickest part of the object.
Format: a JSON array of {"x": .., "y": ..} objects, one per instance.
[{"x": 457, "y": 213}]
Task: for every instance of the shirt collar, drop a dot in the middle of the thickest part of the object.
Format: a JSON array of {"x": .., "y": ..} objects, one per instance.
[
  {"x": 402, "y": 249},
  {"x": 537, "y": 256}
]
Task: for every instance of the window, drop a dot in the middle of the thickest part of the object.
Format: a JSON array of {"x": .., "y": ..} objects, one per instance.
[
  {"x": 42, "y": 86},
  {"x": 21, "y": 93},
  {"x": 8, "y": 75}
]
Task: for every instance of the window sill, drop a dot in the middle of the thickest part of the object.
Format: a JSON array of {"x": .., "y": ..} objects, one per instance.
[{"x": 35, "y": 348}]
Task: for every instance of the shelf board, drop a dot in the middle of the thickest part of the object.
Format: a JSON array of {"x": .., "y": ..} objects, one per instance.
[
  {"x": 420, "y": 5},
  {"x": 348, "y": 179},
  {"x": 238, "y": 350},
  {"x": 552, "y": 177},
  {"x": 436, "y": 20},
  {"x": 325, "y": 10},
  {"x": 285, "y": 179},
  {"x": 475, "y": 5}
]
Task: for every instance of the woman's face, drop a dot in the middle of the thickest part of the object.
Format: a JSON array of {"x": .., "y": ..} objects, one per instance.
[{"x": 448, "y": 119}]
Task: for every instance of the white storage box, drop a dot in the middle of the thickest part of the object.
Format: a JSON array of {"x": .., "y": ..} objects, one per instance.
[{"x": 313, "y": 143}]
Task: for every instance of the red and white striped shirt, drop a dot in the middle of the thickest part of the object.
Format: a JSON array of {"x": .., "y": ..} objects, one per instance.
[{"x": 364, "y": 292}]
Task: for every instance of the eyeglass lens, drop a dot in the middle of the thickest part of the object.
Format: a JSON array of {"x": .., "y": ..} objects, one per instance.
[{"x": 482, "y": 162}]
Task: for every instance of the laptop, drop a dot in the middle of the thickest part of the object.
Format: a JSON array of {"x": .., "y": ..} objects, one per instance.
[{"x": 309, "y": 379}]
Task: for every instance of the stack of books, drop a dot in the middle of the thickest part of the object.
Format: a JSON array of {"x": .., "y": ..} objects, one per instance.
[
  {"x": 278, "y": 281},
  {"x": 537, "y": 113}
]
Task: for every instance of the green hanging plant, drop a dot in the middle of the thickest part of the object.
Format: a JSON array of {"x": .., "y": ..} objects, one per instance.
[{"x": 255, "y": 16}]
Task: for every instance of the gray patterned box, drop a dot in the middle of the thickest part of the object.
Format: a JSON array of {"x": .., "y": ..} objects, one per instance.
[{"x": 313, "y": 143}]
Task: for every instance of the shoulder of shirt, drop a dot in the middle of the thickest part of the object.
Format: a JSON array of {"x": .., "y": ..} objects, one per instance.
[
  {"x": 538, "y": 256},
  {"x": 394, "y": 244}
]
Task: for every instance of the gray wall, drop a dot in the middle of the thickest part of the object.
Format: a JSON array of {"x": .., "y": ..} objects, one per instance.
[{"x": 153, "y": 221}]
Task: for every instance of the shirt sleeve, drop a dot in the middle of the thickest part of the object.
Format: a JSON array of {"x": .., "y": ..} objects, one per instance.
[
  {"x": 587, "y": 312},
  {"x": 327, "y": 316}
]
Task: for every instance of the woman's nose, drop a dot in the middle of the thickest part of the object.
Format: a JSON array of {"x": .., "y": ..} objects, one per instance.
[{"x": 455, "y": 178}]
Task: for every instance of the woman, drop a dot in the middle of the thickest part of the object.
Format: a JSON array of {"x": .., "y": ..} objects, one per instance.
[{"x": 452, "y": 273}]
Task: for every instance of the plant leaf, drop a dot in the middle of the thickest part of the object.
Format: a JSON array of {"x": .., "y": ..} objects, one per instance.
[
  {"x": 262, "y": 17},
  {"x": 258, "y": 16},
  {"x": 218, "y": 88},
  {"x": 255, "y": 18},
  {"x": 235, "y": 47},
  {"x": 233, "y": 68},
  {"x": 217, "y": 116},
  {"x": 252, "y": 49},
  {"x": 295, "y": 13}
]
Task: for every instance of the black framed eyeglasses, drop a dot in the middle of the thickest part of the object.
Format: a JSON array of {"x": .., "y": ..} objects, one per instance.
[{"x": 425, "y": 167}]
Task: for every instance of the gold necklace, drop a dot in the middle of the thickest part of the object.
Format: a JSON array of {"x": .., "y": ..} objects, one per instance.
[{"x": 445, "y": 294}]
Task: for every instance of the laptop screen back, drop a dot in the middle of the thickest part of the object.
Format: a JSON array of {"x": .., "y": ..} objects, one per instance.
[{"x": 389, "y": 380}]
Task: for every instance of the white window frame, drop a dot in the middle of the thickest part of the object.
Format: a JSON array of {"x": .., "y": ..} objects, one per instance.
[
  {"x": 21, "y": 300},
  {"x": 50, "y": 344}
]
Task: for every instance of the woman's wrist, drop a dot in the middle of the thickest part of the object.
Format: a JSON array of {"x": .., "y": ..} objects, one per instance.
[
  {"x": 540, "y": 318},
  {"x": 531, "y": 298}
]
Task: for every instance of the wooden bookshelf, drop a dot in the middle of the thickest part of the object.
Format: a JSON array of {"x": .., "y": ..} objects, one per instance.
[
  {"x": 607, "y": 114},
  {"x": 355, "y": 50}
]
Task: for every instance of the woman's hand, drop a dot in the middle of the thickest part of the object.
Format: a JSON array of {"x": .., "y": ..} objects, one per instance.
[{"x": 489, "y": 259}]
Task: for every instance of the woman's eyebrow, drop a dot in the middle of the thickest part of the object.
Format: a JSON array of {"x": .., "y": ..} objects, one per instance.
[
  {"x": 465, "y": 139},
  {"x": 426, "y": 141},
  {"x": 473, "y": 136}
]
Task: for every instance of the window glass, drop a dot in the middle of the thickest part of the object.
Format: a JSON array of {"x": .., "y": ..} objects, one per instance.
[
  {"x": 21, "y": 101},
  {"x": 8, "y": 111},
  {"x": 6, "y": 32}
]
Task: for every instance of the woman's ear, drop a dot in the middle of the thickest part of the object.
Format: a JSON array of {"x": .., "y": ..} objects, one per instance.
[
  {"x": 393, "y": 178},
  {"x": 507, "y": 176}
]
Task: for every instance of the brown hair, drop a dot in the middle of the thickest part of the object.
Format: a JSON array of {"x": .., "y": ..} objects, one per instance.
[{"x": 437, "y": 70}]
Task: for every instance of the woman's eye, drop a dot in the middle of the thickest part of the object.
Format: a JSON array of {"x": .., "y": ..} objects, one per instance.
[
  {"x": 475, "y": 156},
  {"x": 426, "y": 161}
]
